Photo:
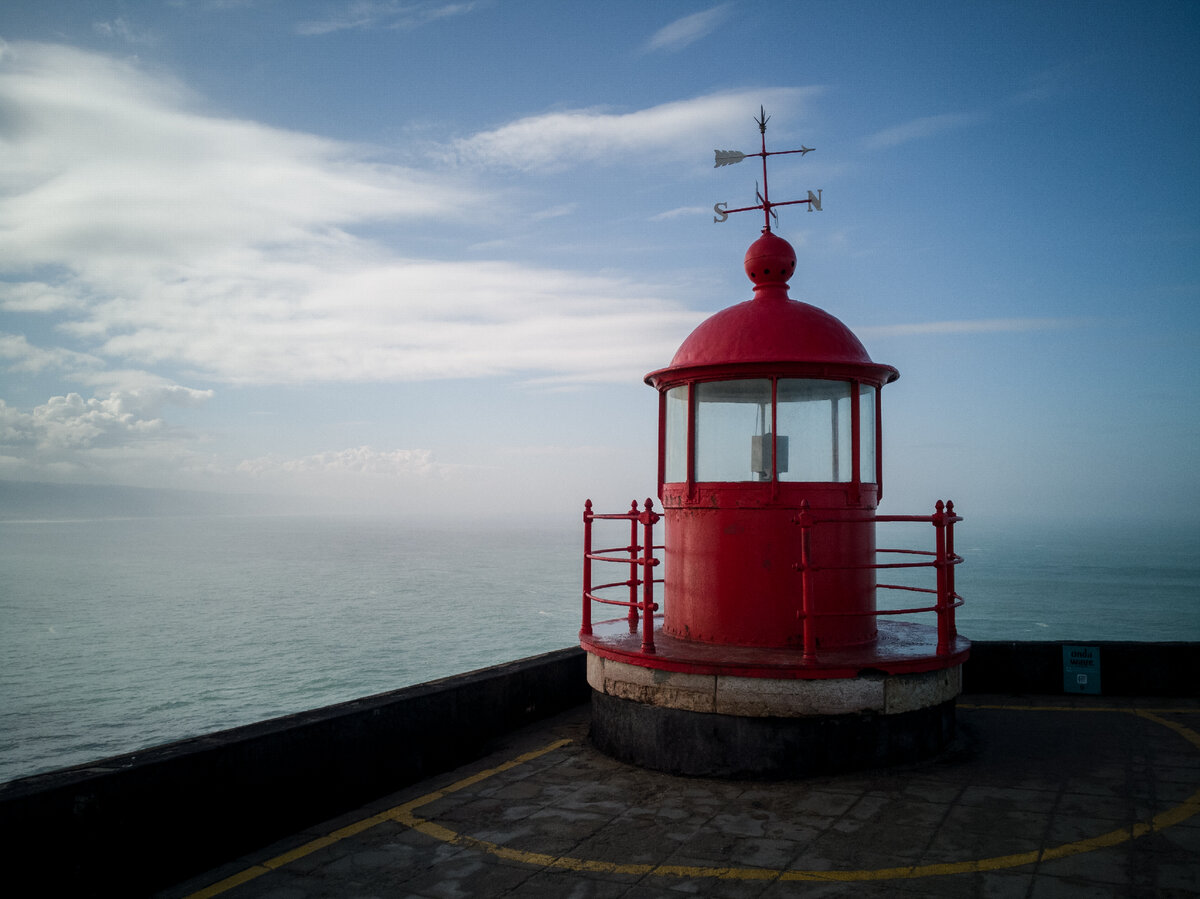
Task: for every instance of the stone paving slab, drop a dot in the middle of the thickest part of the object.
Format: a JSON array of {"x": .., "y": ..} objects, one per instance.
[{"x": 1053, "y": 797}]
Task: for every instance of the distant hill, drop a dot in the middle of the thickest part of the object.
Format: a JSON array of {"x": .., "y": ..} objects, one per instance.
[{"x": 25, "y": 500}]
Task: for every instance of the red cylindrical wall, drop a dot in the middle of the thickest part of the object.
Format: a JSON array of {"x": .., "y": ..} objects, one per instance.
[{"x": 731, "y": 574}]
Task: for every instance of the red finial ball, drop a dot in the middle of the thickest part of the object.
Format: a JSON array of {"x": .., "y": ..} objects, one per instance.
[{"x": 770, "y": 260}]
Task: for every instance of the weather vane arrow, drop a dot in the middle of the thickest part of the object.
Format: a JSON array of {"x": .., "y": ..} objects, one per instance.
[{"x": 732, "y": 157}]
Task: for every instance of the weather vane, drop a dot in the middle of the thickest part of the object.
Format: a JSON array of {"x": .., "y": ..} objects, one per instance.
[{"x": 729, "y": 157}]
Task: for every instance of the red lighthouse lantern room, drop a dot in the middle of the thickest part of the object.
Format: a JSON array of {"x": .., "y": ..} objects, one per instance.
[{"x": 777, "y": 648}]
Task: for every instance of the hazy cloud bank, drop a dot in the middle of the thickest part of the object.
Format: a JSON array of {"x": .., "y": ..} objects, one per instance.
[{"x": 228, "y": 248}]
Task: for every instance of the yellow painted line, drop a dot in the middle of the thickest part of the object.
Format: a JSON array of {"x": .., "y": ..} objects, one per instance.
[
  {"x": 224, "y": 886},
  {"x": 288, "y": 857},
  {"x": 1133, "y": 710},
  {"x": 358, "y": 827},
  {"x": 1155, "y": 715},
  {"x": 404, "y": 814}
]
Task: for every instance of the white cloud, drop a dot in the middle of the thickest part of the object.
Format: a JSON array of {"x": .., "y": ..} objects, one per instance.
[
  {"x": 356, "y": 461},
  {"x": 348, "y": 317},
  {"x": 917, "y": 129},
  {"x": 72, "y": 423},
  {"x": 225, "y": 249},
  {"x": 124, "y": 30},
  {"x": 109, "y": 166},
  {"x": 554, "y": 212},
  {"x": 688, "y": 29},
  {"x": 129, "y": 381},
  {"x": 118, "y": 437},
  {"x": 555, "y": 140},
  {"x": 212, "y": 5},
  {"x": 15, "y": 427},
  {"x": 25, "y": 357},
  {"x": 36, "y": 296},
  {"x": 681, "y": 211},
  {"x": 976, "y": 326},
  {"x": 395, "y": 15},
  {"x": 359, "y": 479}
]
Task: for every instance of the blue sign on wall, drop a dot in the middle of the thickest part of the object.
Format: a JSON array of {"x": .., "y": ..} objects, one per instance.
[{"x": 1081, "y": 669}]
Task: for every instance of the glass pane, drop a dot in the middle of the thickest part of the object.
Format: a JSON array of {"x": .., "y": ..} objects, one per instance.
[
  {"x": 814, "y": 416},
  {"x": 866, "y": 444},
  {"x": 732, "y": 418},
  {"x": 676, "y": 438}
]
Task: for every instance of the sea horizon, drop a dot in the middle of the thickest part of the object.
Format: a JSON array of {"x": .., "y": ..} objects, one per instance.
[{"x": 131, "y": 631}]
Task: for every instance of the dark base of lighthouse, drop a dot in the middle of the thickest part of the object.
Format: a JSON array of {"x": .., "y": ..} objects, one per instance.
[{"x": 707, "y": 744}]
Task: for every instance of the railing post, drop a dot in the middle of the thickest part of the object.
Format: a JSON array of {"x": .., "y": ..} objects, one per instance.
[
  {"x": 951, "y": 560},
  {"x": 648, "y": 563},
  {"x": 805, "y": 520},
  {"x": 585, "y": 629},
  {"x": 633, "y": 567},
  {"x": 943, "y": 601}
]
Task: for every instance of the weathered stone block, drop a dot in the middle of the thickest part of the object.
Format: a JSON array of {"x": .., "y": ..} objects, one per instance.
[
  {"x": 790, "y": 698},
  {"x": 908, "y": 692}
]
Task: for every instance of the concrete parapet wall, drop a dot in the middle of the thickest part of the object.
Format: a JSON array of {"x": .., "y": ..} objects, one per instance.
[
  {"x": 1126, "y": 669},
  {"x": 128, "y": 824}
]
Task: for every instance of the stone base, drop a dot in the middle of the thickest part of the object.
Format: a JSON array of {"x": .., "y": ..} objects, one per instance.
[
  {"x": 722, "y": 725},
  {"x": 764, "y": 748},
  {"x": 783, "y": 697}
]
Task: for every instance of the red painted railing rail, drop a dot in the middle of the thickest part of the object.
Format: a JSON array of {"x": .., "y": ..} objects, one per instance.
[
  {"x": 942, "y": 559},
  {"x": 638, "y": 555}
]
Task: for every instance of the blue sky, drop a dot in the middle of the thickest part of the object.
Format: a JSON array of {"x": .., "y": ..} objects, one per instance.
[{"x": 416, "y": 257}]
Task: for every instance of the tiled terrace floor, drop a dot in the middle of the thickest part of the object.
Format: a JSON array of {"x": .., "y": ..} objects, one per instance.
[{"x": 1047, "y": 797}]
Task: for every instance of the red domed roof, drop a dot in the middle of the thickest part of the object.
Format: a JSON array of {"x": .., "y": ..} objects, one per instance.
[
  {"x": 770, "y": 331},
  {"x": 772, "y": 327}
]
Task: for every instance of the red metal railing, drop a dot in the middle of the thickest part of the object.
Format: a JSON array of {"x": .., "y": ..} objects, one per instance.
[
  {"x": 943, "y": 561},
  {"x": 638, "y": 556},
  {"x": 641, "y": 561}
]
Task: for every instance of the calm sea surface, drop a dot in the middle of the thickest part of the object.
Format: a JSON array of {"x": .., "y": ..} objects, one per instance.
[{"x": 116, "y": 635}]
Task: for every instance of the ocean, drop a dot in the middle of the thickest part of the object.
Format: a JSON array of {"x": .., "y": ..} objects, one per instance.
[{"x": 119, "y": 634}]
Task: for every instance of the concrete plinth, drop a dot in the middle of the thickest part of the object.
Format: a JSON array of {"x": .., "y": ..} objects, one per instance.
[{"x": 748, "y": 727}]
